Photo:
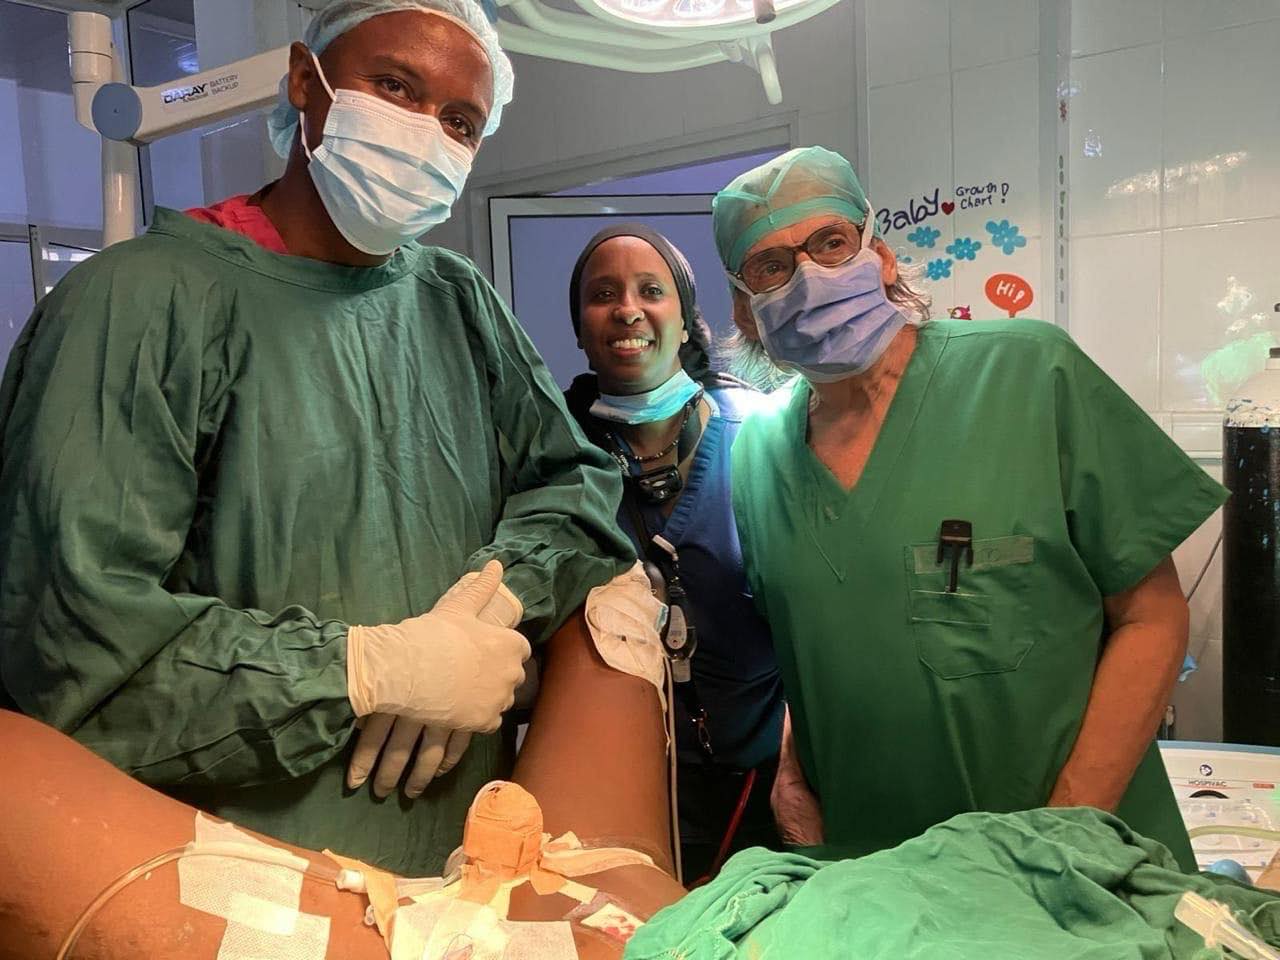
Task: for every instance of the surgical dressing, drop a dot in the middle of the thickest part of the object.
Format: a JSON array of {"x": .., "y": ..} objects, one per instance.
[
  {"x": 503, "y": 848},
  {"x": 625, "y": 620}
]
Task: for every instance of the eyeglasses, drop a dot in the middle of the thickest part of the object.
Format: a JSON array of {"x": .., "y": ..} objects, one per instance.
[{"x": 829, "y": 246}]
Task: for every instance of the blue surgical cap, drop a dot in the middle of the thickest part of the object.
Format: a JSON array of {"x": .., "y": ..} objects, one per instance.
[
  {"x": 785, "y": 190},
  {"x": 342, "y": 15}
]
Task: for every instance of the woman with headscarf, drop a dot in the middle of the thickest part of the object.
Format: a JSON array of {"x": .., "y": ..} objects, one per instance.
[{"x": 668, "y": 420}]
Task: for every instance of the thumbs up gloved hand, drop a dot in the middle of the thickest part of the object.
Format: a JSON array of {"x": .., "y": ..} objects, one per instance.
[{"x": 451, "y": 671}]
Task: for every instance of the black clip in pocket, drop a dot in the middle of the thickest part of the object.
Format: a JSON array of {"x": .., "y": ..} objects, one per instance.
[{"x": 956, "y": 536}]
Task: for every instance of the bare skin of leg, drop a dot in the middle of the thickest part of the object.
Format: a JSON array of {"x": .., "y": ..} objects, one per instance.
[{"x": 70, "y": 823}]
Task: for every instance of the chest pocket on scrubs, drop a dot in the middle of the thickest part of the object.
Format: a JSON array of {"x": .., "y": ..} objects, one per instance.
[{"x": 984, "y": 627}]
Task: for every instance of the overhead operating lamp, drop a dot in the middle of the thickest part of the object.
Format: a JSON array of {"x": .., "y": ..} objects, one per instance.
[{"x": 655, "y": 36}]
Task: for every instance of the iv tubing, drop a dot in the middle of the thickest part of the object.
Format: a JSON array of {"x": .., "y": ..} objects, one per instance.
[
  {"x": 675, "y": 793},
  {"x": 236, "y": 851},
  {"x": 1216, "y": 923},
  {"x": 1258, "y": 833}
]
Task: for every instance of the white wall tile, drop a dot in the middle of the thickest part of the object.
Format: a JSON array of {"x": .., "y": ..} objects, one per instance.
[
  {"x": 971, "y": 279},
  {"x": 914, "y": 261},
  {"x": 575, "y": 135},
  {"x": 815, "y": 63},
  {"x": 611, "y": 114},
  {"x": 1115, "y": 309},
  {"x": 996, "y": 127},
  {"x": 719, "y": 95},
  {"x": 1115, "y": 142},
  {"x": 834, "y": 129},
  {"x": 1220, "y": 101},
  {"x": 943, "y": 294},
  {"x": 1184, "y": 17},
  {"x": 907, "y": 40},
  {"x": 1220, "y": 283},
  {"x": 1100, "y": 25},
  {"x": 989, "y": 31},
  {"x": 900, "y": 170},
  {"x": 1200, "y": 434},
  {"x": 527, "y": 136}
]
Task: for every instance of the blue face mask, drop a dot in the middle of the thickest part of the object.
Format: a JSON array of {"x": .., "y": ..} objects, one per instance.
[
  {"x": 659, "y": 403},
  {"x": 385, "y": 175},
  {"x": 829, "y": 323}
]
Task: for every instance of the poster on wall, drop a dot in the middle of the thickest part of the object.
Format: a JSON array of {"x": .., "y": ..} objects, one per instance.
[{"x": 973, "y": 260}]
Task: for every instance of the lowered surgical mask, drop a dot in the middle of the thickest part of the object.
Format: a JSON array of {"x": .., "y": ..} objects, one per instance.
[
  {"x": 829, "y": 323},
  {"x": 386, "y": 175},
  {"x": 648, "y": 407}
]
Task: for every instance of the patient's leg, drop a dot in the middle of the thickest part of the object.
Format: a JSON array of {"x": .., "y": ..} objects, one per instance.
[
  {"x": 70, "y": 823},
  {"x": 595, "y": 757}
]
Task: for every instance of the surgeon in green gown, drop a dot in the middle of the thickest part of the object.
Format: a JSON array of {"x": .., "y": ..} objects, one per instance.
[
  {"x": 960, "y": 533},
  {"x": 243, "y": 457}
]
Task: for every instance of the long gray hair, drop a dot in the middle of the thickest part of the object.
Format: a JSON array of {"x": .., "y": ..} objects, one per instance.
[{"x": 746, "y": 358}]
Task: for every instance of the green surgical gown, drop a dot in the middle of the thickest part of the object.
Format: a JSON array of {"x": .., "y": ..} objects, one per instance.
[
  {"x": 214, "y": 458},
  {"x": 910, "y": 703}
]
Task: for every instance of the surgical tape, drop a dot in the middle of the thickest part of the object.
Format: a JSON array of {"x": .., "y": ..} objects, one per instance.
[
  {"x": 310, "y": 939},
  {"x": 235, "y": 890},
  {"x": 440, "y": 929},
  {"x": 444, "y": 926},
  {"x": 258, "y": 900},
  {"x": 626, "y": 621}
]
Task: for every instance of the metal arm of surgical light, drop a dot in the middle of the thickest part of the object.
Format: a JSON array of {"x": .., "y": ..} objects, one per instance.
[
  {"x": 127, "y": 116},
  {"x": 94, "y": 64}
]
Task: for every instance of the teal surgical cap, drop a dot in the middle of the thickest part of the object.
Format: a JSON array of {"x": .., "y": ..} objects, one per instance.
[
  {"x": 801, "y": 183},
  {"x": 342, "y": 15}
]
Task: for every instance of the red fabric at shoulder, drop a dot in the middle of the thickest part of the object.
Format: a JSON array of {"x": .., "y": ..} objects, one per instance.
[{"x": 238, "y": 215}]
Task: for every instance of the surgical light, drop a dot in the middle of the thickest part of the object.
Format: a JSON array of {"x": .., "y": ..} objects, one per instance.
[{"x": 655, "y": 36}]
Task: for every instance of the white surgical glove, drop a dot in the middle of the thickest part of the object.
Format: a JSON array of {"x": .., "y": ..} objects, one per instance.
[
  {"x": 447, "y": 668},
  {"x": 395, "y": 737}
]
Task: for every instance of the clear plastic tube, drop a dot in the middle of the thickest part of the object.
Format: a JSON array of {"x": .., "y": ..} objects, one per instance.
[
  {"x": 1214, "y": 922},
  {"x": 675, "y": 787},
  {"x": 235, "y": 851},
  {"x": 1257, "y": 833}
]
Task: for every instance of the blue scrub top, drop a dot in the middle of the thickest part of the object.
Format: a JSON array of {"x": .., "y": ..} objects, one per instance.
[{"x": 734, "y": 668}]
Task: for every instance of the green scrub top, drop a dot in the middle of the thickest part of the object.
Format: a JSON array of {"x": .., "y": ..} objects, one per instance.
[
  {"x": 912, "y": 704},
  {"x": 213, "y": 458}
]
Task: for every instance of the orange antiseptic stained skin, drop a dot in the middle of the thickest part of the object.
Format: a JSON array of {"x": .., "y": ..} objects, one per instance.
[{"x": 503, "y": 832}]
